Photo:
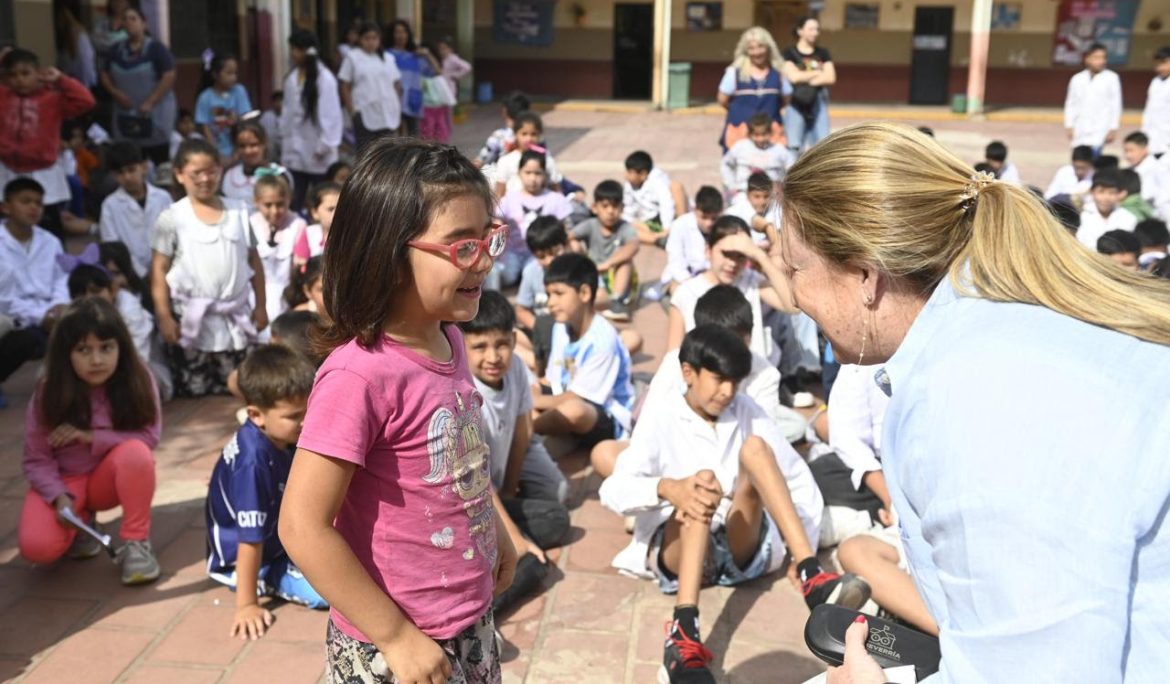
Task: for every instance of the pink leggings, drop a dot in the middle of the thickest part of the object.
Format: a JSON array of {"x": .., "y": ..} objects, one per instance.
[{"x": 124, "y": 477}]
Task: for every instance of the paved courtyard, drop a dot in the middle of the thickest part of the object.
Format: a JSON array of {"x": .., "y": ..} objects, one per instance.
[{"x": 74, "y": 622}]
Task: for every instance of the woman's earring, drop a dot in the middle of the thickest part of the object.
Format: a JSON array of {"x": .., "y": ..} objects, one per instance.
[{"x": 864, "y": 340}]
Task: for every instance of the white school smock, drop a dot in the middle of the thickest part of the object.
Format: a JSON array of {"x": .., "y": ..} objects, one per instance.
[
  {"x": 1092, "y": 107},
  {"x": 686, "y": 250},
  {"x": 687, "y": 295},
  {"x": 52, "y": 178},
  {"x": 742, "y": 208},
  {"x": 672, "y": 441},
  {"x": 652, "y": 200},
  {"x": 277, "y": 260},
  {"x": 1153, "y": 176},
  {"x": 305, "y": 145},
  {"x": 372, "y": 79},
  {"x": 1065, "y": 182},
  {"x": 31, "y": 281},
  {"x": 1156, "y": 115},
  {"x": 857, "y": 408},
  {"x": 125, "y": 220},
  {"x": 1094, "y": 225}
]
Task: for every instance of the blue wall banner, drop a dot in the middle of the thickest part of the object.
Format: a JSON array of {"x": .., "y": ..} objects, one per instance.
[{"x": 1080, "y": 23}]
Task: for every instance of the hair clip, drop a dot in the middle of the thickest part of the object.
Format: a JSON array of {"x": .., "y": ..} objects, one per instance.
[
  {"x": 270, "y": 170},
  {"x": 311, "y": 52},
  {"x": 207, "y": 55},
  {"x": 254, "y": 114},
  {"x": 90, "y": 256},
  {"x": 979, "y": 181}
]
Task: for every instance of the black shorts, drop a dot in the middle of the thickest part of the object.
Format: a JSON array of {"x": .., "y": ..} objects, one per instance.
[{"x": 605, "y": 427}]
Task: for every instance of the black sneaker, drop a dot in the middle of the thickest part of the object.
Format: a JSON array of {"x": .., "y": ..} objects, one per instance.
[
  {"x": 847, "y": 591},
  {"x": 685, "y": 660},
  {"x": 617, "y": 312}
]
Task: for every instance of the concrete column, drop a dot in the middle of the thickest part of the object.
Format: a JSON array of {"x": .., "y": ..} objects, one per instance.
[
  {"x": 465, "y": 37},
  {"x": 661, "y": 71},
  {"x": 980, "y": 42},
  {"x": 33, "y": 21}
]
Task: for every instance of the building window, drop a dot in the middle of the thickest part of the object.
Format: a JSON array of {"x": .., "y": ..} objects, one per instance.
[{"x": 858, "y": 16}]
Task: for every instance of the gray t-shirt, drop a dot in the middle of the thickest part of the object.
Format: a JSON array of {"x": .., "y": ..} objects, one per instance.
[
  {"x": 602, "y": 245},
  {"x": 531, "y": 294}
]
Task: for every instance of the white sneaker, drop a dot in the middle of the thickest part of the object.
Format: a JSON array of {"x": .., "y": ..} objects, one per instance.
[
  {"x": 803, "y": 400},
  {"x": 139, "y": 566}
]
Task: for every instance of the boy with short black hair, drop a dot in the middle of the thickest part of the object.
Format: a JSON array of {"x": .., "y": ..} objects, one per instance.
[
  {"x": 611, "y": 242},
  {"x": 1103, "y": 212},
  {"x": 1154, "y": 238},
  {"x": 756, "y": 152},
  {"x": 1122, "y": 246},
  {"x": 1156, "y": 115},
  {"x": 719, "y": 498},
  {"x": 588, "y": 369},
  {"x": 294, "y": 329},
  {"x": 756, "y": 208},
  {"x": 247, "y": 485},
  {"x": 1073, "y": 179},
  {"x": 1137, "y": 154},
  {"x": 528, "y": 487},
  {"x": 686, "y": 246},
  {"x": 647, "y": 201},
  {"x": 1092, "y": 107},
  {"x": 33, "y": 287},
  {"x": 995, "y": 154},
  {"x": 129, "y": 213}
]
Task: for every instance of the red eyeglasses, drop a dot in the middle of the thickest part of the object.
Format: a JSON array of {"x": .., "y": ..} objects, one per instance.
[{"x": 466, "y": 253}]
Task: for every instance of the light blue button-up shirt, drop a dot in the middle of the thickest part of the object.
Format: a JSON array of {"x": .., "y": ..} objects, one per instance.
[{"x": 1028, "y": 458}]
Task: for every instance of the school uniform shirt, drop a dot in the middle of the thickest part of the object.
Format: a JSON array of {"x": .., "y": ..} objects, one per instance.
[
  {"x": 124, "y": 220},
  {"x": 237, "y": 184},
  {"x": 243, "y": 501},
  {"x": 596, "y": 367},
  {"x": 1026, "y": 459},
  {"x": 1092, "y": 107},
  {"x": 1156, "y": 115},
  {"x": 743, "y": 209},
  {"x": 686, "y": 297},
  {"x": 140, "y": 324},
  {"x": 220, "y": 111},
  {"x": 857, "y": 409},
  {"x": 372, "y": 78},
  {"x": 1154, "y": 178},
  {"x": 507, "y": 170},
  {"x": 686, "y": 250},
  {"x": 745, "y": 158},
  {"x": 1010, "y": 173},
  {"x": 308, "y": 145},
  {"x": 52, "y": 178},
  {"x": 501, "y": 407},
  {"x": 532, "y": 295},
  {"x": 31, "y": 280},
  {"x": 603, "y": 244},
  {"x": 277, "y": 258},
  {"x": 651, "y": 201},
  {"x": 1094, "y": 225},
  {"x": 672, "y": 441},
  {"x": 1065, "y": 182}
]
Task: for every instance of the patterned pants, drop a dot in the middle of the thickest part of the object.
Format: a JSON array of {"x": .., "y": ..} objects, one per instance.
[
  {"x": 473, "y": 656},
  {"x": 199, "y": 373}
]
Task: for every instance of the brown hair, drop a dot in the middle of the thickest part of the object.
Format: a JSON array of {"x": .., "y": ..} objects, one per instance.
[
  {"x": 395, "y": 190},
  {"x": 65, "y": 398},
  {"x": 275, "y": 373}
]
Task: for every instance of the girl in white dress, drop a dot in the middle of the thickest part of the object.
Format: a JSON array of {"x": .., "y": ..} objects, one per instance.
[{"x": 275, "y": 230}]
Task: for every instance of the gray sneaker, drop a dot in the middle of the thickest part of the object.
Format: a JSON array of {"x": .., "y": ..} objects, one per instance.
[
  {"x": 139, "y": 566},
  {"x": 617, "y": 312},
  {"x": 83, "y": 546}
]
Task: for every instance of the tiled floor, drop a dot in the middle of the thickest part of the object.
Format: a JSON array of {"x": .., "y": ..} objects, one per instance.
[{"x": 74, "y": 622}]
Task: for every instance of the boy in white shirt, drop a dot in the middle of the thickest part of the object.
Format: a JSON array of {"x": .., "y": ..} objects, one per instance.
[
  {"x": 588, "y": 370},
  {"x": 528, "y": 488},
  {"x": 719, "y": 498},
  {"x": 1104, "y": 212},
  {"x": 996, "y": 156},
  {"x": 754, "y": 153},
  {"x": 1156, "y": 115},
  {"x": 33, "y": 288},
  {"x": 757, "y": 201},
  {"x": 686, "y": 244},
  {"x": 129, "y": 213},
  {"x": 1137, "y": 154},
  {"x": 647, "y": 202},
  {"x": 1074, "y": 179},
  {"x": 1155, "y": 241},
  {"x": 1092, "y": 107}
]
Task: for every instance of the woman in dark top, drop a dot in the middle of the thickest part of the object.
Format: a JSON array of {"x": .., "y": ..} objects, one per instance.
[
  {"x": 140, "y": 77},
  {"x": 811, "y": 71}
]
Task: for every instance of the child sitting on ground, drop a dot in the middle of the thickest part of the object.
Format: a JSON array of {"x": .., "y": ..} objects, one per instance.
[
  {"x": 686, "y": 246},
  {"x": 755, "y": 153},
  {"x": 1136, "y": 150},
  {"x": 275, "y": 229},
  {"x": 502, "y": 139},
  {"x": 528, "y": 488},
  {"x": 995, "y": 156},
  {"x": 529, "y": 128},
  {"x": 130, "y": 212},
  {"x": 1122, "y": 247},
  {"x": 1155, "y": 242},
  {"x": 247, "y": 486},
  {"x": 518, "y": 209},
  {"x": 322, "y": 204},
  {"x": 1072, "y": 181},
  {"x": 588, "y": 366},
  {"x": 611, "y": 242},
  {"x": 716, "y": 506},
  {"x": 1103, "y": 212},
  {"x": 647, "y": 202},
  {"x": 757, "y": 210},
  {"x": 89, "y": 434}
]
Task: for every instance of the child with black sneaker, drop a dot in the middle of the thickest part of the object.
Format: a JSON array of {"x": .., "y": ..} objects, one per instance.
[
  {"x": 719, "y": 498},
  {"x": 611, "y": 242}
]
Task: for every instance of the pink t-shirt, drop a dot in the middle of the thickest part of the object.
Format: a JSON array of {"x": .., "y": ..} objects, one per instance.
[
  {"x": 418, "y": 513},
  {"x": 310, "y": 243}
]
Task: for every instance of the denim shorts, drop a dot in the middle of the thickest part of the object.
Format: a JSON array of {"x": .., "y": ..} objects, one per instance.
[{"x": 719, "y": 568}]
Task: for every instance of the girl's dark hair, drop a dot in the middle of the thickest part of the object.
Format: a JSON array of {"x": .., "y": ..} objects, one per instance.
[
  {"x": 218, "y": 62},
  {"x": 724, "y": 226},
  {"x": 252, "y": 126},
  {"x": 533, "y": 155},
  {"x": 319, "y": 191},
  {"x": 394, "y": 191},
  {"x": 410, "y": 44},
  {"x": 65, "y": 398},
  {"x": 372, "y": 27},
  {"x": 336, "y": 166},
  {"x": 718, "y": 350},
  {"x": 85, "y": 276},
  {"x": 800, "y": 22},
  {"x": 119, "y": 254},
  {"x": 302, "y": 277},
  {"x": 305, "y": 40},
  {"x": 192, "y": 147}
]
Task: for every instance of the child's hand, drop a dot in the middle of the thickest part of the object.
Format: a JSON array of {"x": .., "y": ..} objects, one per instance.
[
  {"x": 415, "y": 658},
  {"x": 49, "y": 74},
  {"x": 505, "y": 560},
  {"x": 695, "y": 498},
  {"x": 260, "y": 317},
  {"x": 169, "y": 328},
  {"x": 886, "y": 516},
  {"x": 251, "y": 621},
  {"x": 61, "y": 504},
  {"x": 67, "y": 434}
]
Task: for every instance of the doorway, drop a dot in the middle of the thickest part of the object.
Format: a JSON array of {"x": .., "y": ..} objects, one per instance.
[
  {"x": 633, "y": 51},
  {"x": 930, "y": 66}
]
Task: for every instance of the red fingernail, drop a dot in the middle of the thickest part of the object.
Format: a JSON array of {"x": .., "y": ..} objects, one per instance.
[{"x": 860, "y": 618}]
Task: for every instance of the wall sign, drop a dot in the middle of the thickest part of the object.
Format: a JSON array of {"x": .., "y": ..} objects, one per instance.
[
  {"x": 523, "y": 22},
  {"x": 1080, "y": 23}
]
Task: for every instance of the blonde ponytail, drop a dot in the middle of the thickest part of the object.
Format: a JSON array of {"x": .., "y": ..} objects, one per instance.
[{"x": 885, "y": 194}]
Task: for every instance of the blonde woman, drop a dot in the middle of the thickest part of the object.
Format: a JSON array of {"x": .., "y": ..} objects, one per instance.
[
  {"x": 753, "y": 83},
  {"x": 1024, "y": 452}
]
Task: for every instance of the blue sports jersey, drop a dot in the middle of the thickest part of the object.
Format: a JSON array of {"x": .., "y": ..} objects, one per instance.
[{"x": 243, "y": 499}]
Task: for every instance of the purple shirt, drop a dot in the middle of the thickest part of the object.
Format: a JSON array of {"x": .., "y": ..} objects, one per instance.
[{"x": 519, "y": 209}]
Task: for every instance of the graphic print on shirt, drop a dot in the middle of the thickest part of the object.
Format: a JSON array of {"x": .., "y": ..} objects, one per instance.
[{"x": 459, "y": 455}]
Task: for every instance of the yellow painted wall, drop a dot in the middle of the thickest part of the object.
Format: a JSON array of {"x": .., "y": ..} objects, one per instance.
[{"x": 33, "y": 20}]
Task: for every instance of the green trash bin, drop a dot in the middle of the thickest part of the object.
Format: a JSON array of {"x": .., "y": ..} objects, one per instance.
[
  {"x": 959, "y": 103},
  {"x": 678, "y": 91}
]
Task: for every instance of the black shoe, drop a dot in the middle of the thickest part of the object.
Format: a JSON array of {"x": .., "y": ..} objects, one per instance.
[
  {"x": 847, "y": 591},
  {"x": 530, "y": 572},
  {"x": 617, "y": 312},
  {"x": 685, "y": 660}
]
